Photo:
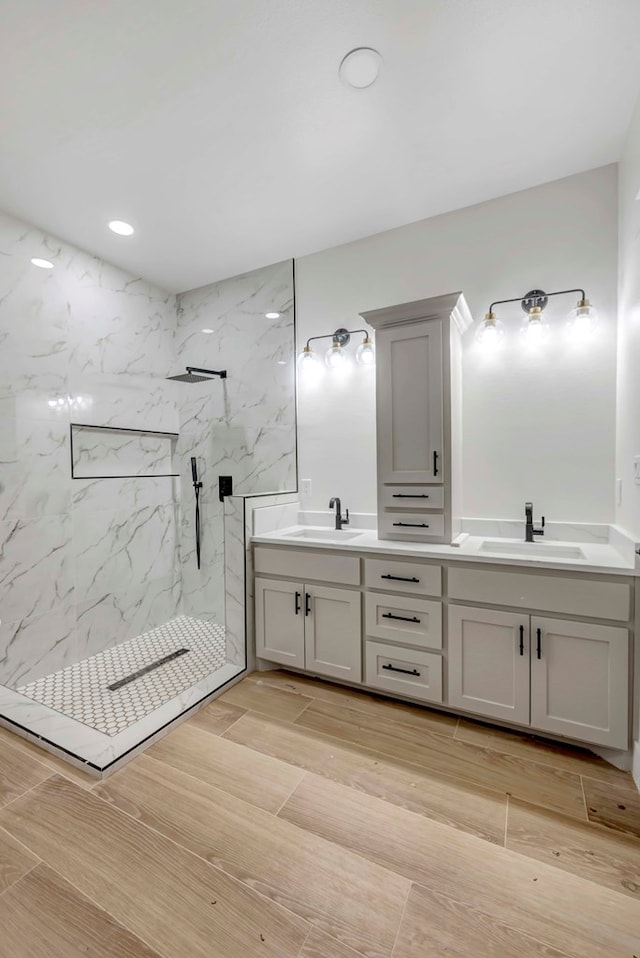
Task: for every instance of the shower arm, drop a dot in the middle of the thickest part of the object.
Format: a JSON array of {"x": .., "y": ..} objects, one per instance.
[{"x": 222, "y": 373}]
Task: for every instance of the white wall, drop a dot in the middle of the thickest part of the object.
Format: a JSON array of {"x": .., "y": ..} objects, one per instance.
[
  {"x": 535, "y": 427},
  {"x": 628, "y": 437},
  {"x": 628, "y": 405}
]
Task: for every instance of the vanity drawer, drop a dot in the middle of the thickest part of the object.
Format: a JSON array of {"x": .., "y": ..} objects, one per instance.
[
  {"x": 422, "y": 524},
  {"x": 412, "y": 497},
  {"x": 592, "y": 598},
  {"x": 397, "y": 576},
  {"x": 404, "y": 671},
  {"x": 411, "y": 621},
  {"x": 305, "y": 564}
]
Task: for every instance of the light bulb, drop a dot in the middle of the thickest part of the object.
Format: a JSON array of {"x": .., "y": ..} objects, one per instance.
[
  {"x": 535, "y": 328},
  {"x": 335, "y": 358},
  {"x": 490, "y": 332},
  {"x": 582, "y": 320},
  {"x": 308, "y": 362},
  {"x": 366, "y": 353},
  {"x": 42, "y": 263}
]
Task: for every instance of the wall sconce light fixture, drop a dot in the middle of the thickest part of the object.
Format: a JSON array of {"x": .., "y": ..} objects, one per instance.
[
  {"x": 581, "y": 320},
  {"x": 336, "y": 357}
]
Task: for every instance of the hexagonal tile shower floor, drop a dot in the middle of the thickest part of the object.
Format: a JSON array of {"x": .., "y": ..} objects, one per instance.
[{"x": 82, "y": 692}]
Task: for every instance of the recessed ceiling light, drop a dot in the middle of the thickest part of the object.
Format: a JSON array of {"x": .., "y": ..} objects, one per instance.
[
  {"x": 272, "y": 315},
  {"x": 360, "y": 67},
  {"x": 207, "y": 330},
  {"x": 42, "y": 263},
  {"x": 121, "y": 228}
]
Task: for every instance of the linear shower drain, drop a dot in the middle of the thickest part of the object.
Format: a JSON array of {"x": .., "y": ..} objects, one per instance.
[{"x": 147, "y": 668}]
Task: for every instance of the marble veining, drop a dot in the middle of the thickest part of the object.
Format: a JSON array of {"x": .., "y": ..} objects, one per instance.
[
  {"x": 89, "y": 563},
  {"x": 109, "y": 453},
  {"x": 243, "y": 426}
]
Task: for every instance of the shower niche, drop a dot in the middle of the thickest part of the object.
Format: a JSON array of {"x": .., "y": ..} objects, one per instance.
[{"x": 113, "y": 452}]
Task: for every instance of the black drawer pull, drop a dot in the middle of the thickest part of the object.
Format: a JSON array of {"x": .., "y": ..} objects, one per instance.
[
  {"x": 400, "y": 578},
  {"x": 413, "y": 525},
  {"x": 401, "y": 618},
  {"x": 297, "y": 606},
  {"x": 404, "y": 495},
  {"x": 435, "y": 463},
  {"x": 539, "y": 643},
  {"x": 307, "y": 604},
  {"x": 393, "y": 668},
  {"x": 522, "y": 640}
]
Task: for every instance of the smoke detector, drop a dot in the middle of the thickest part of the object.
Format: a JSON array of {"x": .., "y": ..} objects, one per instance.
[{"x": 360, "y": 68}]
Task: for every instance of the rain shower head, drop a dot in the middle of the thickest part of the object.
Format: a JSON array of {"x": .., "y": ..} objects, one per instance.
[{"x": 195, "y": 375}]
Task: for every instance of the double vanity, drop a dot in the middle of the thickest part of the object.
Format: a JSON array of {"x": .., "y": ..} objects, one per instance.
[
  {"x": 535, "y": 642},
  {"x": 518, "y": 629}
]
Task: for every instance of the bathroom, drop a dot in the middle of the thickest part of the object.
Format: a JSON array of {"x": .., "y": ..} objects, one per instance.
[{"x": 108, "y": 446}]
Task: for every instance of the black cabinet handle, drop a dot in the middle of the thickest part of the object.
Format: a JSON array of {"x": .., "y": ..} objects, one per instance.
[
  {"x": 522, "y": 640},
  {"x": 401, "y": 618},
  {"x": 539, "y": 643},
  {"x": 404, "y": 495},
  {"x": 435, "y": 463},
  {"x": 413, "y": 525},
  {"x": 400, "y": 578},
  {"x": 392, "y": 668},
  {"x": 307, "y": 604},
  {"x": 297, "y": 606}
]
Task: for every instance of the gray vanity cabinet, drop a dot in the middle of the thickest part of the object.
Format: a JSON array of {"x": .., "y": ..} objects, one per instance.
[
  {"x": 305, "y": 625},
  {"x": 565, "y": 677},
  {"x": 410, "y": 405},
  {"x": 418, "y": 417},
  {"x": 580, "y": 680},
  {"x": 489, "y": 662}
]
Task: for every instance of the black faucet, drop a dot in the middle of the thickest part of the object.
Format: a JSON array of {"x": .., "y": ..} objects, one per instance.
[
  {"x": 530, "y": 529},
  {"x": 340, "y": 519}
]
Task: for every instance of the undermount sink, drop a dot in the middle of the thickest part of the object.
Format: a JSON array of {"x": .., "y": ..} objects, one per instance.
[
  {"x": 333, "y": 535},
  {"x": 525, "y": 550}
]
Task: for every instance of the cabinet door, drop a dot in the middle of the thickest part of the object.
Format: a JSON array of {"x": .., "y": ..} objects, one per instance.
[
  {"x": 409, "y": 391},
  {"x": 580, "y": 681},
  {"x": 332, "y": 634},
  {"x": 280, "y": 621},
  {"x": 489, "y": 663}
]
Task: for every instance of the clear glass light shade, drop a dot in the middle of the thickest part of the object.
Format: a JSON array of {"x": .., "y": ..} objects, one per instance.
[
  {"x": 490, "y": 332},
  {"x": 535, "y": 328},
  {"x": 582, "y": 320},
  {"x": 308, "y": 362},
  {"x": 366, "y": 353},
  {"x": 335, "y": 358}
]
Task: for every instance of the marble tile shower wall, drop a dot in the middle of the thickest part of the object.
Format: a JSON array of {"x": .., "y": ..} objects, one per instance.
[
  {"x": 87, "y": 563},
  {"x": 84, "y": 563},
  {"x": 243, "y": 426}
]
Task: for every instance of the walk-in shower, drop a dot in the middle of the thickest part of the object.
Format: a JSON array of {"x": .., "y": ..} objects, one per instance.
[
  {"x": 121, "y": 609},
  {"x": 147, "y": 637}
]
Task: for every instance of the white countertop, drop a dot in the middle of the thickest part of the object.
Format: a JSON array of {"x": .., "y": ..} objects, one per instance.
[{"x": 597, "y": 557}]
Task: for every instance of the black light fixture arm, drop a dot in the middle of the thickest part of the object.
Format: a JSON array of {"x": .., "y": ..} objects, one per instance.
[
  {"x": 341, "y": 336},
  {"x": 536, "y": 297}
]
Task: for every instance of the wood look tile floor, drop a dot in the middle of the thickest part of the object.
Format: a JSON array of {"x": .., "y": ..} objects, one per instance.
[{"x": 292, "y": 818}]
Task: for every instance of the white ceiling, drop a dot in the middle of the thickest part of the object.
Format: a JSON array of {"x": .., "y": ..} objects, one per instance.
[{"x": 220, "y": 129}]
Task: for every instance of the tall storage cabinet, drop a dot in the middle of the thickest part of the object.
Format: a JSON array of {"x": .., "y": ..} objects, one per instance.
[{"x": 418, "y": 413}]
